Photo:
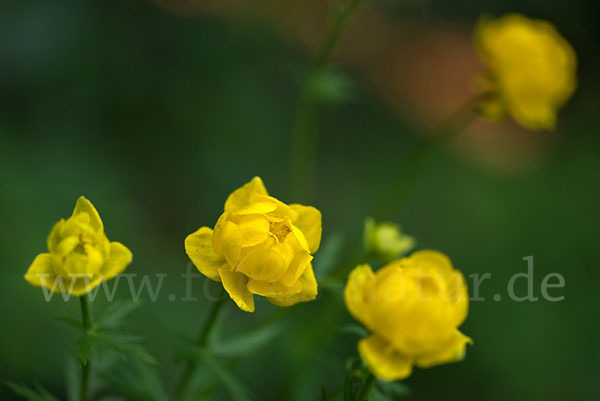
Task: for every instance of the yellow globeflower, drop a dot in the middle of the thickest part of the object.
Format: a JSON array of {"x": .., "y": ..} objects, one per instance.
[
  {"x": 260, "y": 246},
  {"x": 79, "y": 255},
  {"x": 413, "y": 307},
  {"x": 531, "y": 70}
]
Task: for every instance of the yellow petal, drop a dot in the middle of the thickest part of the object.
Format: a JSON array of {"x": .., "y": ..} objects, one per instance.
[
  {"x": 54, "y": 237},
  {"x": 451, "y": 351},
  {"x": 276, "y": 289},
  {"x": 263, "y": 263},
  {"x": 359, "y": 285},
  {"x": 228, "y": 241},
  {"x": 300, "y": 238},
  {"x": 236, "y": 286},
  {"x": 300, "y": 261},
  {"x": 119, "y": 258},
  {"x": 309, "y": 222},
  {"x": 199, "y": 247},
  {"x": 383, "y": 361},
  {"x": 85, "y": 206},
  {"x": 281, "y": 211},
  {"x": 308, "y": 293},
  {"x": 258, "y": 208},
  {"x": 241, "y": 197},
  {"x": 40, "y": 273},
  {"x": 253, "y": 228},
  {"x": 429, "y": 258}
]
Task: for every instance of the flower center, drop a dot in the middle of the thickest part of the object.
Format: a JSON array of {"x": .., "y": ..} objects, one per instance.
[{"x": 280, "y": 230}]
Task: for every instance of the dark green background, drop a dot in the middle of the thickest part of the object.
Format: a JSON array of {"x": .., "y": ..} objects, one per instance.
[{"x": 157, "y": 118}]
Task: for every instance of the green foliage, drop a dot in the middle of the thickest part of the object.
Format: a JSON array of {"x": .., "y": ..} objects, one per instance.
[
  {"x": 246, "y": 342},
  {"x": 115, "y": 313},
  {"x": 324, "y": 395},
  {"x": 355, "y": 373},
  {"x": 354, "y": 328},
  {"x": 236, "y": 389},
  {"x": 139, "y": 382},
  {"x": 329, "y": 255},
  {"x": 31, "y": 394}
]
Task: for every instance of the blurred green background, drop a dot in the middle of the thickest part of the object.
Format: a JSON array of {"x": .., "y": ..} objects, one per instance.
[{"x": 157, "y": 117}]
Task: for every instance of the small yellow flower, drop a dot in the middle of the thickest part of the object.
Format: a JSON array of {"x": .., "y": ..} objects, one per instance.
[
  {"x": 413, "y": 307},
  {"x": 80, "y": 256},
  {"x": 260, "y": 246},
  {"x": 386, "y": 240},
  {"x": 531, "y": 70}
]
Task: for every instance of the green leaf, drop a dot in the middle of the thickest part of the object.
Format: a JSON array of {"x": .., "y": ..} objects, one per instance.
[
  {"x": 245, "y": 343},
  {"x": 353, "y": 378},
  {"x": 71, "y": 322},
  {"x": 85, "y": 347},
  {"x": 126, "y": 346},
  {"x": 324, "y": 396},
  {"x": 139, "y": 382},
  {"x": 28, "y": 393},
  {"x": 393, "y": 390},
  {"x": 356, "y": 329},
  {"x": 329, "y": 255},
  {"x": 237, "y": 390},
  {"x": 115, "y": 313}
]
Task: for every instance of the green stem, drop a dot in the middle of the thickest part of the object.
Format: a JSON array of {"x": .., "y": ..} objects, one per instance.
[
  {"x": 86, "y": 368},
  {"x": 305, "y": 134},
  {"x": 365, "y": 390},
  {"x": 191, "y": 365},
  {"x": 418, "y": 163}
]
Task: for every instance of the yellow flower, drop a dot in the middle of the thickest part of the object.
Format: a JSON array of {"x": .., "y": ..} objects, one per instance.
[
  {"x": 80, "y": 256},
  {"x": 386, "y": 240},
  {"x": 260, "y": 246},
  {"x": 531, "y": 70},
  {"x": 413, "y": 307}
]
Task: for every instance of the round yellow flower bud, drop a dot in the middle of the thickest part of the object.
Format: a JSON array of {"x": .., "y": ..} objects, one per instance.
[
  {"x": 531, "y": 70},
  {"x": 80, "y": 255},
  {"x": 260, "y": 246},
  {"x": 413, "y": 308}
]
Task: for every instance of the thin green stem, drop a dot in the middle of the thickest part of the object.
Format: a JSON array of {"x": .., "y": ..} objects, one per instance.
[
  {"x": 305, "y": 134},
  {"x": 86, "y": 368},
  {"x": 201, "y": 342},
  {"x": 365, "y": 389}
]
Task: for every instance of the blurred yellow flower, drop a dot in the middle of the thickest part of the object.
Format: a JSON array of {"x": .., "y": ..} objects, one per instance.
[
  {"x": 386, "y": 240},
  {"x": 80, "y": 255},
  {"x": 531, "y": 70},
  {"x": 260, "y": 246},
  {"x": 413, "y": 307}
]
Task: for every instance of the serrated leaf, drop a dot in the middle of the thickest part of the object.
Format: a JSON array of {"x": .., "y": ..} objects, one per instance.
[
  {"x": 30, "y": 394},
  {"x": 115, "y": 313},
  {"x": 354, "y": 329},
  {"x": 85, "y": 348},
  {"x": 126, "y": 345},
  {"x": 71, "y": 322},
  {"x": 245, "y": 343},
  {"x": 138, "y": 382}
]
